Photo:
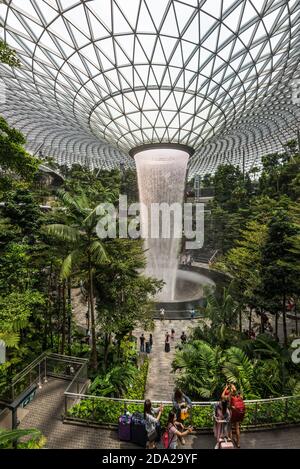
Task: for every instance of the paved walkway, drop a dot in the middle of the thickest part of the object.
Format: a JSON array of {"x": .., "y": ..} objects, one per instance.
[
  {"x": 161, "y": 381},
  {"x": 45, "y": 411}
]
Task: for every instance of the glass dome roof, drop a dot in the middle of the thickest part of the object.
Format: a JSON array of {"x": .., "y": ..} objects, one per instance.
[{"x": 100, "y": 77}]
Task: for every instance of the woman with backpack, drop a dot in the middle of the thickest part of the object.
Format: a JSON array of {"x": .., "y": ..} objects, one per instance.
[
  {"x": 171, "y": 435},
  {"x": 152, "y": 424},
  {"x": 237, "y": 407}
]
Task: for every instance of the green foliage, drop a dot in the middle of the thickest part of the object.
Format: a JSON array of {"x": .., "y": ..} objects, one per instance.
[
  {"x": 8, "y": 56},
  {"x": 13, "y": 156},
  {"x": 257, "y": 414},
  {"x": 22, "y": 439},
  {"x": 136, "y": 390},
  {"x": 231, "y": 188},
  {"x": 105, "y": 411},
  {"x": 24, "y": 212},
  {"x": 124, "y": 380},
  {"x": 200, "y": 367},
  {"x": 16, "y": 309}
]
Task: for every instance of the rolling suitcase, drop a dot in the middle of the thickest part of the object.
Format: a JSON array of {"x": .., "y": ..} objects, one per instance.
[
  {"x": 226, "y": 443},
  {"x": 124, "y": 429},
  {"x": 138, "y": 430}
]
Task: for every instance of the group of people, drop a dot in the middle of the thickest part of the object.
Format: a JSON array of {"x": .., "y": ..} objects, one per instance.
[
  {"x": 175, "y": 428},
  {"x": 228, "y": 415},
  {"x": 229, "y": 412},
  {"x": 168, "y": 338},
  {"x": 171, "y": 337}
]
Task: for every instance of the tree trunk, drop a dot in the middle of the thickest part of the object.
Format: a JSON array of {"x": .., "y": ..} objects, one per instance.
[
  {"x": 106, "y": 349},
  {"x": 284, "y": 320},
  {"x": 276, "y": 325},
  {"x": 58, "y": 316},
  {"x": 47, "y": 324},
  {"x": 250, "y": 322},
  {"x": 262, "y": 324},
  {"x": 63, "y": 331},
  {"x": 94, "y": 358},
  {"x": 69, "y": 316},
  {"x": 88, "y": 313}
]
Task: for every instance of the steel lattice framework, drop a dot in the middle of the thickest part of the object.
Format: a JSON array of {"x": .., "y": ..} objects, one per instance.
[{"x": 100, "y": 77}]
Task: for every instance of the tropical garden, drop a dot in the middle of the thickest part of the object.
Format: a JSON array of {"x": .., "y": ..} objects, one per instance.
[{"x": 49, "y": 248}]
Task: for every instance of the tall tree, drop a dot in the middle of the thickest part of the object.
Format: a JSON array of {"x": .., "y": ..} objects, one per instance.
[
  {"x": 87, "y": 251},
  {"x": 280, "y": 266}
]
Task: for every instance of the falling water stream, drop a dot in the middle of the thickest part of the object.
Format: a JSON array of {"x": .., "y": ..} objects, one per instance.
[{"x": 161, "y": 179}]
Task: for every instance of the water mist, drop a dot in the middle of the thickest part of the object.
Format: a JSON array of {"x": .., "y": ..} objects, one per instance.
[{"x": 161, "y": 179}]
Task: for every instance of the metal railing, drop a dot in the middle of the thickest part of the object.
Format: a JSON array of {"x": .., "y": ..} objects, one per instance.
[
  {"x": 99, "y": 410},
  {"x": 37, "y": 372}
]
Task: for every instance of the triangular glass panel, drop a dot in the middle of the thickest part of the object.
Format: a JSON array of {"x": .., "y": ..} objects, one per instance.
[
  {"x": 120, "y": 24},
  {"x": 169, "y": 26},
  {"x": 157, "y": 11},
  {"x": 183, "y": 14},
  {"x": 192, "y": 34},
  {"x": 145, "y": 24}
]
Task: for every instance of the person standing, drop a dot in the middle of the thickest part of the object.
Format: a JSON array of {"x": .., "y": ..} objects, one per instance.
[
  {"x": 142, "y": 343},
  {"x": 183, "y": 338},
  {"x": 167, "y": 342},
  {"x": 173, "y": 334},
  {"x": 182, "y": 406},
  {"x": 162, "y": 314},
  {"x": 174, "y": 433},
  {"x": 237, "y": 407},
  {"x": 152, "y": 417},
  {"x": 150, "y": 342},
  {"x": 222, "y": 417}
]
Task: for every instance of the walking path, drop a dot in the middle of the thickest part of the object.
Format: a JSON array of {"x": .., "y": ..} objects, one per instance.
[
  {"x": 45, "y": 411},
  {"x": 161, "y": 381}
]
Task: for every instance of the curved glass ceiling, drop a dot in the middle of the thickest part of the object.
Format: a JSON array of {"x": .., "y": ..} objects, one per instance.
[{"x": 100, "y": 77}]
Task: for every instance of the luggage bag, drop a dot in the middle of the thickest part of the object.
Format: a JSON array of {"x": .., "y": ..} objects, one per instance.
[
  {"x": 124, "y": 429},
  {"x": 138, "y": 430}
]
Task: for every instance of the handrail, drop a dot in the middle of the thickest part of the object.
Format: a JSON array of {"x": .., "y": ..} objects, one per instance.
[
  {"x": 29, "y": 367},
  {"x": 40, "y": 362},
  {"x": 196, "y": 403},
  {"x": 74, "y": 378},
  {"x": 213, "y": 256}
]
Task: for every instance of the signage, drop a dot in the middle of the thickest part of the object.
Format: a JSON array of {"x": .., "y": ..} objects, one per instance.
[{"x": 28, "y": 399}]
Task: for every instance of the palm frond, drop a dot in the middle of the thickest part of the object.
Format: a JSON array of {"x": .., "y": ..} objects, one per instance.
[
  {"x": 69, "y": 263},
  {"x": 99, "y": 254},
  {"x": 63, "y": 232},
  {"x": 11, "y": 339},
  {"x": 8, "y": 437}
]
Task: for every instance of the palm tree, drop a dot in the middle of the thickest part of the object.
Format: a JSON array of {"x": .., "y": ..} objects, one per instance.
[
  {"x": 200, "y": 367},
  {"x": 86, "y": 249},
  {"x": 238, "y": 369},
  {"x": 222, "y": 311}
]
